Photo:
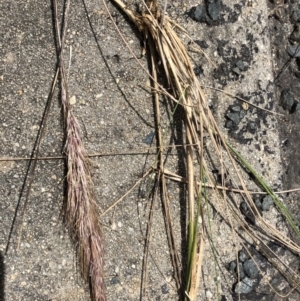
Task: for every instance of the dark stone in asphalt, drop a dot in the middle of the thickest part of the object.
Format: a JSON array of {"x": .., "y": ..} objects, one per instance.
[
  {"x": 149, "y": 138},
  {"x": 240, "y": 271},
  {"x": 250, "y": 268},
  {"x": 294, "y": 50},
  {"x": 296, "y": 104},
  {"x": 203, "y": 44},
  {"x": 213, "y": 9},
  {"x": 244, "y": 287},
  {"x": 295, "y": 16},
  {"x": 243, "y": 256},
  {"x": 229, "y": 124},
  {"x": 198, "y": 70},
  {"x": 199, "y": 13},
  {"x": 287, "y": 99},
  {"x": 236, "y": 70},
  {"x": 235, "y": 108},
  {"x": 243, "y": 114},
  {"x": 252, "y": 127},
  {"x": 128, "y": 272},
  {"x": 232, "y": 266},
  {"x": 267, "y": 203},
  {"x": 114, "y": 280},
  {"x": 234, "y": 117},
  {"x": 258, "y": 203},
  {"x": 295, "y": 36},
  {"x": 247, "y": 212},
  {"x": 244, "y": 208},
  {"x": 286, "y": 142},
  {"x": 240, "y": 64},
  {"x": 165, "y": 289}
]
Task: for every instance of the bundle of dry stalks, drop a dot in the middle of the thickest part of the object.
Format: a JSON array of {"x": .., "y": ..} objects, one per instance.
[
  {"x": 159, "y": 30},
  {"x": 80, "y": 210}
]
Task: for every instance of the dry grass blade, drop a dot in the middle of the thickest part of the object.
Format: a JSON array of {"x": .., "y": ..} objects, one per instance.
[
  {"x": 160, "y": 183},
  {"x": 80, "y": 209}
]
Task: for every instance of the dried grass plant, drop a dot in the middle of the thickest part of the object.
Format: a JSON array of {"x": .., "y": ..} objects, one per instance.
[
  {"x": 80, "y": 209},
  {"x": 165, "y": 45}
]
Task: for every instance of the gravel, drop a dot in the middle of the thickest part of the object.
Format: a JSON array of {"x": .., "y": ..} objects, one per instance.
[
  {"x": 250, "y": 269},
  {"x": 243, "y": 256},
  {"x": 287, "y": 100},
  {"x": 245, "y": 286},
  {"x": 267, "y": 203}
]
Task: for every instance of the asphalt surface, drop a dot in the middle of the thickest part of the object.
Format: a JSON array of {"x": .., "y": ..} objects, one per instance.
[{"x": 115, "y": 109}]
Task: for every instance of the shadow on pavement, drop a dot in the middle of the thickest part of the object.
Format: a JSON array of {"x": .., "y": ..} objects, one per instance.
[{"x": 2, "y": 277}]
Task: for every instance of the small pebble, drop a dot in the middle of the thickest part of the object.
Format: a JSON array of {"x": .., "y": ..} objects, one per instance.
[
  {"x": 235, "y": 108},
  {"x": 243, "y": 256},
  {"x": 287, "y": 99},
  {"x": 295, "y": 36},
  {"x": 243, "y": 114},
  {"x": 73, "y": 100},
  {"x": 114, "y": 280},
  {"x": 113, "y": 226},
  {"x": 199, "y": 13},
  {"x": 128, "y": 272},
  {"x": 214, "y": 8},
  {"x": 252, "y": 127},
  {"x": 209, "y": 294},
  {"x": 229, "y": 124},
  {"x": 165, "y": 289},
  {"x": 296, "y": 106},
  {"x": 244, "y": 208},
  {"x": 267, "y": 203},
  {"x": 232, "y": 266},
  {"x": 240, "y": 64},
  {"x": 198, "y": 70},
  {"x": 148, "y": 139},
  {"x": 244, "y": 287},
  {"x": 295, "y": 17},
  {"x": 240, "y": 271},
  {"x": 234, "y": 117},
  {"x": 250, "y": 268},
  {"x": 258, "y": 203},
  {"x": 236, "y": 70},
  {"x": 245, "y": 106},
  {"x": 294, "y": 50}
]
